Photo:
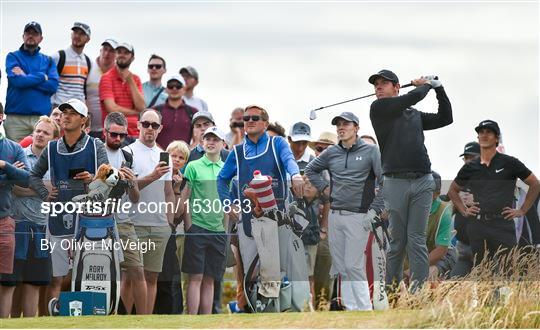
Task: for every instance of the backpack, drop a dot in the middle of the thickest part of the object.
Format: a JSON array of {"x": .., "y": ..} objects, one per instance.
[{"x": 62, "y": 62}]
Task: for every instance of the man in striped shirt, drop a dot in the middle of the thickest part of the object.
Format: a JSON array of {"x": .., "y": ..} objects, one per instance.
[{"x": 73, "y": 66}]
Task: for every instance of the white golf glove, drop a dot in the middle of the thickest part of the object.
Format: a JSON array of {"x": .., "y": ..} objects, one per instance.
[
  {"x": 369, "y": 219},
  {"x": 432, "y": 81}
]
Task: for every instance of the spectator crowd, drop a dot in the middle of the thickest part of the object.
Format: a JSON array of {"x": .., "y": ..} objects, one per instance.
[{"x": 68, "y": 113}]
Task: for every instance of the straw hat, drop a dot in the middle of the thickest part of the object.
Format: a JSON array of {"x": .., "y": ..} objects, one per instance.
[{"x": 324, "y": 138}]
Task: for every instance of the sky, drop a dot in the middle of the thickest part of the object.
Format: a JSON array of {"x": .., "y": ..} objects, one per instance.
[{"x": 292, "y": 57}]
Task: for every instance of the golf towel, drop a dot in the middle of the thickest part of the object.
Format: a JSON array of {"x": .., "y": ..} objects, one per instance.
[{"x": 265, "y": 235}]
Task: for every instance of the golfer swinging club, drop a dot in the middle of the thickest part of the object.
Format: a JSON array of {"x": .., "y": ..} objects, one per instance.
[{"x": 408, "y": 183}]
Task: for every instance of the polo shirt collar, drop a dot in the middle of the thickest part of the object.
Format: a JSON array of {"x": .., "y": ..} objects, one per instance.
[
  {"x": 262, "y": 140},
  {"x": 28, "y": 152},
  {"x": 208, "y": 162},
  {"x": 305, "y": 157},
  {"x": 71, "y": 52}
]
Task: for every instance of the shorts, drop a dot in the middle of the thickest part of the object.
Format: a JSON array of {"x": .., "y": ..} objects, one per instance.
[
  {"x": 61, "y": 255},
  {"x": 204, "y": 252},
  {"x": 34, "y": 271},
  {"x": 311, "y": 254},
  {"x": 132, "y": 255},
  {"x": 7, "y": 245},
  {"x": 153, "y": 242}
]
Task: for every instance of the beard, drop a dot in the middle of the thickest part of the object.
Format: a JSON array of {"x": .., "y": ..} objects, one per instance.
[
  {"x": 114, "y": 146},
  {"x": 123, "y": 65}
]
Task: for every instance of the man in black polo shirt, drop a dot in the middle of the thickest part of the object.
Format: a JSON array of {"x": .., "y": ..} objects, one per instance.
[
  {"x": 408, "y": 183},
  {"x": 492, "y": 181}
]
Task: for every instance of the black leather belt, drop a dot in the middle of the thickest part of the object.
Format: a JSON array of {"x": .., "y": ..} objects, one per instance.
[
  {"x": 346, "y": 212},
  {"x": 489, "y": 216},
  {"x": 406, "y": 175}
]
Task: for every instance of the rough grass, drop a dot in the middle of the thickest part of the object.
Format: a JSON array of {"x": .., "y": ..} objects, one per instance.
[
  {"x": 474, "y": 302},
  {"x": 488, "y": 298}
]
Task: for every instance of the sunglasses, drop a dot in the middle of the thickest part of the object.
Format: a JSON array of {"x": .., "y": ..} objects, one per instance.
[
  {"x": 253, "y": 118},
  {"x": 174, "y": 86},
  {"x": 155, "y": 66},
  {"x": 320, "y": 149},
  {"x": 114, "y": 135},
  {"x": 146, "y": 124}
]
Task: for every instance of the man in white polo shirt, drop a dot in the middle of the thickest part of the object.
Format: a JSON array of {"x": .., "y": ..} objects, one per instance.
[{"x": 155, "y": 185}]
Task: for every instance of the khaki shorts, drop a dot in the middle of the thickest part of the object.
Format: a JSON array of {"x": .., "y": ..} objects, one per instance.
[
  {"x": 18, "y": 127},
  {"x": 311, "y": 254},
  {"x": 156, "y": 239},
  {"x": 132, "y": 255},
  {"x": 61, "y": 258}
]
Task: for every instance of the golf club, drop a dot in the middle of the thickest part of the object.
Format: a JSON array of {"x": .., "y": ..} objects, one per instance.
[{"x": 313, "y": 114}]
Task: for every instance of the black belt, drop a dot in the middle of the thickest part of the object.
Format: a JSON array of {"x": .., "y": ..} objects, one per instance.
[
  {"x": 406, "y": 175},
  {"x": 489, "y": 216},
  {"x": 345, "y": 211}
]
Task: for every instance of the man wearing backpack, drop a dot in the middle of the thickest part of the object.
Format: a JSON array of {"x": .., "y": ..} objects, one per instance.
[{"x": 73, "y": 66}]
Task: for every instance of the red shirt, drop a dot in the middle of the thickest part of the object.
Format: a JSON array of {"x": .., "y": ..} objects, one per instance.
[
  {"x": 25, "y": 142},
  {"x": 112, "y": 86},
  {"x": 176, "y": 123}
]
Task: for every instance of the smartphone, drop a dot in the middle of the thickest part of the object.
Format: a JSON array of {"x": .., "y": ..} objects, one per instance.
[
  {"x": 164, "y": 157},
  {"x": 126, "y": 164},
  {"x": 74, "y": 171}
]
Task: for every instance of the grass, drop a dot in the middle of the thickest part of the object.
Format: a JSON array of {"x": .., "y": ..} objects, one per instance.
[
  {"x": 473, "y": 302},
  {"x": 283, "y": 320}
]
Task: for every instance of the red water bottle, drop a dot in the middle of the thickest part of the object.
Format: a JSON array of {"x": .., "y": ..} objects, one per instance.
[{"x": 262, "y": 185}]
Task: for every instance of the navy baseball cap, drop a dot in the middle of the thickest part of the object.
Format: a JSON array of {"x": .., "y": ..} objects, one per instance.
[
  {"x": 489, "y": 124},
  {"x": 471, "y": 148},
  {"x": 348, "y": 116},
  {"x": 385, "y": 74},
  {"x": 33, "y": 25}
]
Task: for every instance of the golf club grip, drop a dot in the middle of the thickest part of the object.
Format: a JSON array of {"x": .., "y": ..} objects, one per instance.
[{"x": 406, "y": 85}]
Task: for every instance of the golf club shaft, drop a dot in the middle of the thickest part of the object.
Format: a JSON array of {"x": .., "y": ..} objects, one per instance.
[{"x": 356, "y": 98}]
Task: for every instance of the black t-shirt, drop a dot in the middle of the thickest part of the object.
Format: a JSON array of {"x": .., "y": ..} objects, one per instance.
[{"x": 493, "y": 186}]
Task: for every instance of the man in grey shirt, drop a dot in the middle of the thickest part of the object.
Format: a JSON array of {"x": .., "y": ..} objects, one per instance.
[{"x": 354, "y": 167}]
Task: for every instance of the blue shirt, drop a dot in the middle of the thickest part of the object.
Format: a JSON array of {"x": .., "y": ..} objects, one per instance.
[
  {"x": 11, "y": 152},
  {"x": 253, "y": 149},
  {"x": 150, "y": 92},
  {"x": 30, "y": 94}
]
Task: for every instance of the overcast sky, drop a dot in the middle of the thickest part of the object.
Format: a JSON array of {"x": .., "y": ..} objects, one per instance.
[{"x": 293, "y": 57}]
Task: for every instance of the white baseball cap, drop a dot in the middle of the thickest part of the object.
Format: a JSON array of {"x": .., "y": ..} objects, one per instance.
[
  {"x": 76, "y": 105},
  {"x": 215, "y": 131},
  {"x": 178, "y": 78}
]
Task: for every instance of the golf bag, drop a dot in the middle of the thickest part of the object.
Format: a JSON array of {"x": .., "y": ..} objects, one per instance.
[
  {"x": 277, "y": 278},
  {"x": 97, "y": 269},
  {"x": 376, "y": 248},
  {"x": 375, "y": 251}
]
